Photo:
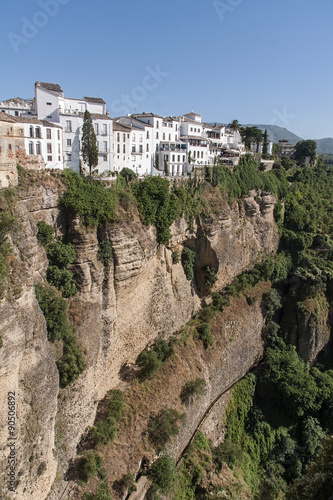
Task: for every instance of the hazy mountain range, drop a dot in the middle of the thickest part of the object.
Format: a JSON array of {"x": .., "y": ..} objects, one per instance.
[{"x": 275, "y": 133}]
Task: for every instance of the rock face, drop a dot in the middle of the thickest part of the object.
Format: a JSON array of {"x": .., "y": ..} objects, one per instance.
[
  {"x": 308, "y": 324},
  {"x": 116, "y": 314}
]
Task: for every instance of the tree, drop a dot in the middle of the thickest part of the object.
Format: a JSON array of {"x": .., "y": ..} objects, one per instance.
[
  {"x": 157, "y": 160},
  {"x": 166, "y": 167},
  {"x": 265, "y": 146},
  {"x": 89, "y": 143},
  {"x": 304, "y": 149},
  {"x": 234, "y": 125},
  {"x": 251, "y": 135}
]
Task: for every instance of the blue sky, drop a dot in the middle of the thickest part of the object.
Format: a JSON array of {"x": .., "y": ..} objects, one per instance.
[{"x": 258, "y": 61}]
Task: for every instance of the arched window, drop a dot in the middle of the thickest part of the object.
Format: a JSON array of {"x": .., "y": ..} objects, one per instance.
[
  {"x": 31, "y": 148},
  {"x": 37, "y": 131},
  {"x": 38, "y": 148},
  {"x": 31, "y": 131}
]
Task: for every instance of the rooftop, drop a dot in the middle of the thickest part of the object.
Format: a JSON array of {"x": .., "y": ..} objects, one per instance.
[
  {"x": 96, "y": 100},
  {"x": 53, "y": 87}
]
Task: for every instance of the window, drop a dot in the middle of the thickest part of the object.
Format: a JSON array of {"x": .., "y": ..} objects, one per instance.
[
  {"x": 157, "y": 124},
  {"x": 105, "y": 129},
  {"x": 49, "y": 116},
  {"x": 163, "y": 137},
  {"x": 38, "y": 148},
  {"x": 96, "y": 128},
  {"x": 173, "y": 157},
  {"x": 124, "y": 137},
  {"x": 191, "y": 129},
  {"x": 69, "y": 156},
  {"x": 68, "y": 126},
  {"x": 178, "y": 158},
  {"x": 183, "y": 158},
  {"x": 140, "y": 148},
  {"x": 156, "y": 147},
  {"x": 21, "y": 130},
  {"x": 201, "y": 154},
  {"x": 147, "y": 149},
  {"x": 49, "y": 158},
  {"x": 169, "y": 137},
  {"x": 176, "y": 127},
  {"x": 156, "y": 135},
  {"x": 147, "y": 134},
  {"x": 48, "y": 133},
  {"x": 105, "y": 158},
  {"x": 58, "y": 149},
  {"x": 10, "y": 147},
  {"x": 49, "y": 148},
  {"x": 16, "y": 113},
  {"x": 58, "y": 135},
  {"x": 49, "y": 103},
  {"x": 118, "y": 148},
  {"x": 124, "y": 148},
  {"x": 31, "y": 131},
  {"x": 69, "y": 142},
  {"x": 31, "y": 148},
  {"x": 105, "y": 145},
  {"x": 58, "y": 158},
  {"x": 167, "y": 157},
  {"x": 133, "y": 148},
  {"x": 118, "y": 137},
  {"x": 194, "y": 154}
]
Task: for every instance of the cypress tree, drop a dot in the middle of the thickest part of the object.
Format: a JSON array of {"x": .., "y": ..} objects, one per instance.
[
  {"x": 265, "y": 145},
  {"x": 89, "y": 143}
]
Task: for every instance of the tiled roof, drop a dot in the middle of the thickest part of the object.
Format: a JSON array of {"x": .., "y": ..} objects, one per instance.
[
  {"x": 18, "y": 100},
  {"x": 53, "y": 87},
  {"x": 95, "y": 116},
  {"x": 148, "y": 115},
  {"x": 96, "y": 100},
  {"x": 119, "y": 127},
  {"x": 6, "y": 118}
]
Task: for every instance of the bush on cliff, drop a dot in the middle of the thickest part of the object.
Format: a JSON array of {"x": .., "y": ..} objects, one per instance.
[{"x": 188, "y": 260}]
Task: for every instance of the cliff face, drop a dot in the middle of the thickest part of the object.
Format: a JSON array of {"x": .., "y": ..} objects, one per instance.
[{"x": 143, "y": 296}]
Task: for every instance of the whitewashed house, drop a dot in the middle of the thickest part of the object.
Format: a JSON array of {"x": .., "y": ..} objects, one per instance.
[
  {"x": 51, "y": 105},
  {"x": 121, "y": 146}
]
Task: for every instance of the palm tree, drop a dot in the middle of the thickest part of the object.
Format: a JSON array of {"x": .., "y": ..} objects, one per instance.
[{"x": 234, "y": 125}]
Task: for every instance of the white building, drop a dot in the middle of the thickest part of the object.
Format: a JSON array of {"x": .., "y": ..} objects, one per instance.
[
  {"x": 51, "y": 105},
  {"x": 121, "y": 146},
  {"x": 17, "y": 106}
]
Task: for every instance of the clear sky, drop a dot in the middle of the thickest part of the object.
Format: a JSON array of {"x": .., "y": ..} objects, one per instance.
[{"x": 258, "y": 61}]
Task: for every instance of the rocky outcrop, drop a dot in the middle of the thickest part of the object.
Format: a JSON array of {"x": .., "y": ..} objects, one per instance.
[{"x": 144, "y": 295}]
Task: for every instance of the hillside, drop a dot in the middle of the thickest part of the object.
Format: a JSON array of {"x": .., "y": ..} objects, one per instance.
[{"x": 275, "y": 133}]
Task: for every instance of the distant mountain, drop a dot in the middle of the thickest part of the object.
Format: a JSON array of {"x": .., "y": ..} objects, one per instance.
[
  {"x": 325, "y": 146},
  {"x": 275, "y": 133}
]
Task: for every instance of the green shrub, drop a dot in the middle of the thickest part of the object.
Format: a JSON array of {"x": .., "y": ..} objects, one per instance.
[
  {"x": 205, "y": 335},
  {"x": 271, "y": 303},
  {"x": 163, "y": 349},
  {"x": 61, "y": 279},
  {"x": 60, "y": 254},
  {"x": 90, "y": 465},
  {"x": 207, "y": 313},
  {"x": 105, "y": 253},
  {"x": 128, "y": 483},
  {"x": 71, "y": 364},
  {"x": 192, "y": 389},
  {"x": 164, "y": 426},
  {"x": 104, "y": 431},
  {"x": 8, "y": 225},
  {"x": 156, "y": 205},
  {"x": 163, "y": 473},
  {"x": 102, "y": 493},
  {"x": 210, "y": 275},
  {"x": 45, "y": 234},
  {"x": 89, "y": 199},
  {"x": 149, "y": 363},
  {"x": 153, "y": 493},
  {"x": 128, "y": 174},
  {"x": 175, "y": 257},
  {"x": 220, "y": 302},
  {"x": 188, "y": 260}
]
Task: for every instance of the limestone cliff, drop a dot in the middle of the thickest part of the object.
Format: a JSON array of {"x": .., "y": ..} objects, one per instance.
[{"x": 144, "y": 296}]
